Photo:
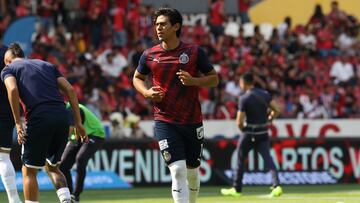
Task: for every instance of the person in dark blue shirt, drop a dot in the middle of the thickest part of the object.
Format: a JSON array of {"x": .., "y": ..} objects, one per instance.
[
  {"x": 7, "y": 170},
  {"x": 256, "y": 108},
  {"x": 37, "y": 85}
]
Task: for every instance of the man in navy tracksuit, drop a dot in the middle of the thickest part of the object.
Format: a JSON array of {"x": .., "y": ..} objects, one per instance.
[
  {"x": 252, "y": 119},
  {"x": 37, "y": 84}
]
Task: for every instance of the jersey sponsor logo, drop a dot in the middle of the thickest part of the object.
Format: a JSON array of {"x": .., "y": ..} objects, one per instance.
[
  {"x": 163, "y": 144},
  {"x": 167, "y": 156},
  {"x": 156, "y": 60},
  {"x": 184, "y": 58},
  {"x": 200, "y": 132}
]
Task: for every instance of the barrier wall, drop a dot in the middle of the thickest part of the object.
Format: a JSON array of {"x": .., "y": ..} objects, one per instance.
[
  {"x": 302, "y": 161},
  {"x": 281, "y": 128}
]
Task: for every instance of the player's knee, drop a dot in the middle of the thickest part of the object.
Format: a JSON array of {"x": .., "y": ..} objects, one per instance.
[
  {"x": 50, "y": 168},
  {"x": 193, "y": 164},
  {"x": 27, "y": 171},
  {"x": 178, "y": 169}
]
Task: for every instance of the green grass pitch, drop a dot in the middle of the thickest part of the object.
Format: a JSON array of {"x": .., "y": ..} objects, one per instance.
[{"x": 252, "y": 194}]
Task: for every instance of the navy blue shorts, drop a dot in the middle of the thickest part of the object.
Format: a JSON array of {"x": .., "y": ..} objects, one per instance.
[
  {"x": 180, "y": 142},
  {"x": 47, "y": 137},
  {"x": 6, "y": 134}
]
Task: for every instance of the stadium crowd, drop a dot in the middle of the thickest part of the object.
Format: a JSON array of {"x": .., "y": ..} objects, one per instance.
[{"x": 313, "y": 70}]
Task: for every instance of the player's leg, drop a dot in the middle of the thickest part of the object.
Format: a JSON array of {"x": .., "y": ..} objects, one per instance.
[
  {"x": 263, "y": 147},
  {"x": 243, "y": 148},
  {"x": 60, "y": 126},
  {"x": 67, "y": 162},
  {"x": 59, "y": 182},
  {"x": 7, "y": 171},
  {"x": 194, "y": 138},
  {"x": 171, "y": 145},
  {"x": 34, "y": 155},
  {"x": 86, "y": 151},
  {"x": 31, "y": 189}
]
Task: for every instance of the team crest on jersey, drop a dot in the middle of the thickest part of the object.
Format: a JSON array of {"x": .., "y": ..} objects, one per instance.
[
  {"x": 184, "y": 58},
  {"x": 167, "y": 156}
]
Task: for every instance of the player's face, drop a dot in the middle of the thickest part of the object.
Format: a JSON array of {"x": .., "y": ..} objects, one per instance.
[
  {"x": 8, "y": 58},
  {"x": 164, "y": 29}
]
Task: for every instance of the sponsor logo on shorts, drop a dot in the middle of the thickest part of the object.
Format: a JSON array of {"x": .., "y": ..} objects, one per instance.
[
  {"x": 163, "y": 144},
  {"x": 166, "y": 155},
  {"x": 200, "y": 132}
]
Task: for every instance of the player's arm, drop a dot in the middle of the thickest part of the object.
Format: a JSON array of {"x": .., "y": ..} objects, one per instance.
[
  {"x": 209, "y": 79},
  {"x": 241, "y": 115},
  {"x": 69, "y": 91},
  {"x": 13, "y": 96},
  {"x": 274, "y": 110},
  {"x": 154, "y": 93},
  {"x": 240, "y": 119},
  {"x": 72, "y": 129}
]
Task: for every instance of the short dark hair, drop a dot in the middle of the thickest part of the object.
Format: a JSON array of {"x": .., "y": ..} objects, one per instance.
[
  {"x": 173, "y": 15},
  {"x": 248, "y": 78},
  {"x": 16, "y": 50}
]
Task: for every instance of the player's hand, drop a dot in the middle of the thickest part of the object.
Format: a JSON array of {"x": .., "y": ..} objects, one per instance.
[
  {"x": 80, "y": 133},
  {"x": 185, "y": 78},
  {"x": 155, "y": 93},
  {"x": 271, "y": 116},
  {"x": 21, "y": 134}
]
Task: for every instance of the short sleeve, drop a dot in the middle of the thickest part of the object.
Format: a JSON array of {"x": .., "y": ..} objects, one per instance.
[
  {"x": 57, "y": 72},
  {"x": 142, "y": 67},
  {"x": 6, "y": 72},
  {"x": 203, "y": 64},
  {"x": 241, "y": 104}
]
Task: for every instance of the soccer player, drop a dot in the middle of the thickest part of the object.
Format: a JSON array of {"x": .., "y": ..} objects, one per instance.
[
  {"x": 178, "y": 70},
  {"x": 36, "y": 83},
  {"x": 7, "y": 124},
  {"x": 80, "y": 153},
  {"x": 252, "y": 119}
]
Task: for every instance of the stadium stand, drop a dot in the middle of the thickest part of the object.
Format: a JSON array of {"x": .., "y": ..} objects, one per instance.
[{"x": 312, "y": 69}]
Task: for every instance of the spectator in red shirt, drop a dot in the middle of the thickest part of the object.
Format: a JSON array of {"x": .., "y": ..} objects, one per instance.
[
  {"x": 244, "y": 6},
  {"x": 120, "y": 37},
  {"x": 133, "y": 19},
  {"x": 23, "y": 9},
  {"x": 325, "y": 41},
  {"x": 217, "y": 17}
]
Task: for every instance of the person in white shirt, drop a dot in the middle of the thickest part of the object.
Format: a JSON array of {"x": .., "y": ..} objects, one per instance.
[
  {"x": 308, "y": 39},
  {"x": 342, "y": 71},
  {"x": 346, "y": 42},
  {"x": 111, "y": 63}
]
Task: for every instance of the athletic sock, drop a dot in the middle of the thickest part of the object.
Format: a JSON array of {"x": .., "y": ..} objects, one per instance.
[
  {"x": 179, "y": 187},
  {"x": 28, "y": 201},
  {"x": 64, "y": 195},
  {"x": 8, "y": 177},
  {"x": 193, "y": 181}
]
